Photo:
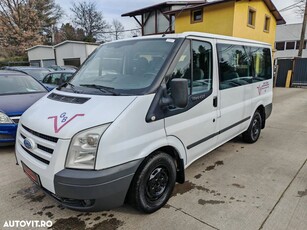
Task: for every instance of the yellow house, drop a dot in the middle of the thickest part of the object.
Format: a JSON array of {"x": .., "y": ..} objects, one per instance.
[{"x": 251, "y": 19}]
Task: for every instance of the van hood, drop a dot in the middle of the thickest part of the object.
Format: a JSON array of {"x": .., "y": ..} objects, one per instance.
[{"x": 62, "y": 119}]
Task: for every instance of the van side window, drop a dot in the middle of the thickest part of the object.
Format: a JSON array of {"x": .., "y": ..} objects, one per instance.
[
  {"x": 262, "y": 64},
  {"x": 183, "y": 66},
  {"x": 202, "y": 67},
  {"x": 199, "y": 74},
  {"x": 234, "y": 66}
]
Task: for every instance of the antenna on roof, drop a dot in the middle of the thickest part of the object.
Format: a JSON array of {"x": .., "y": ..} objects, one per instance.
[{"x": 171, "y": 25}]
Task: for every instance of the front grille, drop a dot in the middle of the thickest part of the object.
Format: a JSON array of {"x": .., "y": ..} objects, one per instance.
[
  {"x": 48, "y": 150},
  {"x": 35, "y": 156},
  {"x": 68, "y": 99},
  {"x": 45, "y": 145},
  {"x": 43, "y": 136}
]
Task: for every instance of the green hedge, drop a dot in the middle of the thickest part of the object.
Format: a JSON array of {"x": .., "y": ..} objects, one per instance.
[{"x": 14, "y": 61}]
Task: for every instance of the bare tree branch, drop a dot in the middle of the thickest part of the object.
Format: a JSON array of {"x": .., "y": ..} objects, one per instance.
[
  {"x": 88, "y": 18},
  {"x": 118, "y": 29}
]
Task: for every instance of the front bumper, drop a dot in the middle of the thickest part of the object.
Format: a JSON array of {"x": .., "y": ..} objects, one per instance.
[
  {"x": 7, "y": 134},
  {"x": 94, "y": 190},
  {"x": 83, "y": 190},
  {"x": 268, "y": 110}
]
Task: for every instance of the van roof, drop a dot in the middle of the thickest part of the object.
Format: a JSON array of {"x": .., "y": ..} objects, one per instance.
[
  {"x": 222, "y": 37},
  {"x": 203, "y": 35}
]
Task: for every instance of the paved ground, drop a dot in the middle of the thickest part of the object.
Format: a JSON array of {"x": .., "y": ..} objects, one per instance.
[{"x": 237, "y": 186}]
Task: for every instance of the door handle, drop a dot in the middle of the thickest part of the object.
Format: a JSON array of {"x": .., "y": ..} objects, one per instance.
[{"x": 215, "y": 101}]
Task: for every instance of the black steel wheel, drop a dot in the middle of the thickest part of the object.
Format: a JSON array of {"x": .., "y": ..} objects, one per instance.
[
  {"x": 153, "y": 183},
  {"x": 252, "y": 134}
]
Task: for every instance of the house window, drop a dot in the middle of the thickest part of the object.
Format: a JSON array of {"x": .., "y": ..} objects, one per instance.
[
  {"x": 267, "y": 22},
  {"x": 290, "y": 45},
  {"x": 280, "y": 45},
  {"x": 197, "y": 16},
  {"x": 251, "y": 17}
]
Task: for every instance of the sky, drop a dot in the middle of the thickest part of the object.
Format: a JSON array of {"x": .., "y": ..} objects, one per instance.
[{"x": 113, "y": 9}]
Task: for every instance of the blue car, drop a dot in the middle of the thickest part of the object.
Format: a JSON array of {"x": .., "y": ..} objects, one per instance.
[
  {"x": 37, "y": 72},
  {"x": 18, "y": 92}
]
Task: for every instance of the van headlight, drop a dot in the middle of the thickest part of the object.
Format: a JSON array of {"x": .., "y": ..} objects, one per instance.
[
  {"x": 83, "y": 148},
  {"x": 4, "y": 119}
]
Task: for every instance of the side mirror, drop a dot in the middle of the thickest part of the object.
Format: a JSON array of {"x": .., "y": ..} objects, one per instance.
[{"x": 179, "y": 92}]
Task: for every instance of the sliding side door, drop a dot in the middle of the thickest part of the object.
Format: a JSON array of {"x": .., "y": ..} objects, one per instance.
[{"x": 235, "y": 70}]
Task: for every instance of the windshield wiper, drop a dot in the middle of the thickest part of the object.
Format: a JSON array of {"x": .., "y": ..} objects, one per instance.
[
  {"x": 72, "y": 86},
  {"x": 102, "y": 88}
]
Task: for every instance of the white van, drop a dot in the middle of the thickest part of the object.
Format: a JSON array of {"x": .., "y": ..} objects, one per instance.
[{"x": 140, "y": 111}]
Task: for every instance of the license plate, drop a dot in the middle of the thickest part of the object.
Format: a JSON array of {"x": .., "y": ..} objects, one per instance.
[{"x": 32, "y": 175}]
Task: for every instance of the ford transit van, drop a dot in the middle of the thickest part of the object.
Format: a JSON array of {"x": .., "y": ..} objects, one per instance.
[{"x": 139, "y": 112}]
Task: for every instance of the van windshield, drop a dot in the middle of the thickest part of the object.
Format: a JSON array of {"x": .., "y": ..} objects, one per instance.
[{"x": 123, "y": 67}]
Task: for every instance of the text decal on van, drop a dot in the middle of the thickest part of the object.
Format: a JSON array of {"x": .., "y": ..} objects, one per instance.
[
  {"x": 63, "y": 119},
  {"x": 263, "y": 87}
]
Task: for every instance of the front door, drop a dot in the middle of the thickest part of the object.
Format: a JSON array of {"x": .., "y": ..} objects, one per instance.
[{"x": 195, "y": 125}]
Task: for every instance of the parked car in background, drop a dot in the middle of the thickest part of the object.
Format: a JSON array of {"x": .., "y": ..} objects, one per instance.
[
  {"x": 18, "y": 91},
  {"x": 57, "y": 78},
  {"x": 65, "y": 67},
  {"x": 37, "y": 72}
]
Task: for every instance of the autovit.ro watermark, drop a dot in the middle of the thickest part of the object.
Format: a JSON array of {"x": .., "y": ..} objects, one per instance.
[{"x": 27, "y": 224}]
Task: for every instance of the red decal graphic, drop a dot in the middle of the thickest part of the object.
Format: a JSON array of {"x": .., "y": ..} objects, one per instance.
[
  {"x": 64, "y": 121},
  {"x": 263, "y": 87}
]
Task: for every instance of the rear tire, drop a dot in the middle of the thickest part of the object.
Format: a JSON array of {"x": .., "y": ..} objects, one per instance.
[
  {"x": 252, "y": 134},
  {"x": 153, "y": 183}
]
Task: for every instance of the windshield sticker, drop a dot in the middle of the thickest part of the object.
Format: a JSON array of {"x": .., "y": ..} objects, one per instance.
[
  {"x": 63, "y": 119},
  {"x": 170, "y": 40},
  {"x": 263, "y": 88}
]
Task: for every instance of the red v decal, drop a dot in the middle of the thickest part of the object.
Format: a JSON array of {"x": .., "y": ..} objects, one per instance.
[{"x": 55, "y": 124}]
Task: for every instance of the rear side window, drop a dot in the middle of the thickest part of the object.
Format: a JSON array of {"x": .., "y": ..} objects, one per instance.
[
  {"x": 53, "y": 79},
  {"x": 241, "y": 65},
  {"x": 67, "y": 76},
  {"x": 262, "y": 64}
]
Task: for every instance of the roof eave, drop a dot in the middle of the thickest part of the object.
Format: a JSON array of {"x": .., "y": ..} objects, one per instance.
[
  {"x": 279, "y": 19},
  {"x": 39, "y": 46},
  {"x": 75, "y": 42},
  {"x": 168, "y": 3}
]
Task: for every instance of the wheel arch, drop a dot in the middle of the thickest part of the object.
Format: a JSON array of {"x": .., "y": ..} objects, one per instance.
[
  {"x": 261, "y": 110},
  {"x": 175, "y": 154},
  {"x": 179, "y": 157},
  {"x": 175, "y": 148}
]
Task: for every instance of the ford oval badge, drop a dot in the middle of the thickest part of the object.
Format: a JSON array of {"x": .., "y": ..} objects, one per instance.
[{"x": 28, "y": 143}]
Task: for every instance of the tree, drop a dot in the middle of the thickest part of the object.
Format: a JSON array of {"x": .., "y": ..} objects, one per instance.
[
  {"x": 117, "y": 29},
  {"x": 20, "y": 26},
  {"x": 88, "y": 18},
  {"x": 49, "y": 14},
  {"x": 68, "y": 32},
  {"x": 23, "y": 23}
]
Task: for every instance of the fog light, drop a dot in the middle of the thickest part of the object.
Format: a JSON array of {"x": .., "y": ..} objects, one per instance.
[{"x": 87, "y": 203}]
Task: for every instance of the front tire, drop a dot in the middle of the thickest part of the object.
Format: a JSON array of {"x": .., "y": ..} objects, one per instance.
[
  {"x": 153, "y": 183},
  {"x": 252, "y": 134}
]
